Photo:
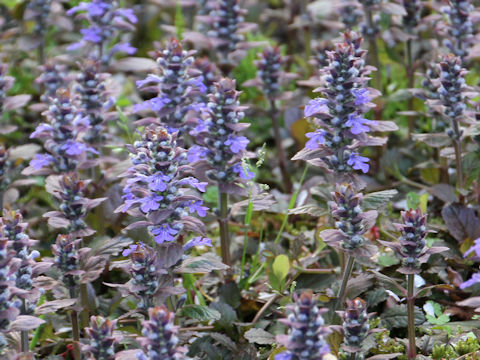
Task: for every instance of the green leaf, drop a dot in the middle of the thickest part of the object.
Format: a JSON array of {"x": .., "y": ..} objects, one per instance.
[
  {"x": 200, "y": 312},
  {"x": 228, "y": 315},
  {"x": 259, "y": 336},
  {"x": 281, "y": 266},
  {"x": 179, "y": 21},
  {"x": 413, "y": 200},
  {"x": 201, "y": 264},
  {"x": 378, "y": 199},
  {"x": 423, "y": 203},
  {"x": 211, "y": 195},
  {"x": 396, "y": 317},
  {"x": 387, "y": 260}
]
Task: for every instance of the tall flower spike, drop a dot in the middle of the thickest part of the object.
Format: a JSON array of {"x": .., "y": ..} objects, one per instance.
[
  {"x": 178, "y": 85},
  {"x": 160, "y": 339},
  {"x": 351, "y": 222},
  {"x": 411, "y": 247},
  {"x": 102, "y": 341},
  {"x": 106, "y": 22},
  {"x": 94, "y": 101},
  {"x": 355, "y": 326},
  {"x": 13, "y": 228},
  {"x": 62, "y": 136},
  {"x": 339, "y": 116},
  {"x": 70, "y": 190},
  {"x": 459, "y": 27},
  {"x": 67, "y": 259},
  {"x": 157, "y": 186},
  {"x": 221, "y": 145},
  {"x": 145, "y": 272},
  {"x": 306, "y": 335}
]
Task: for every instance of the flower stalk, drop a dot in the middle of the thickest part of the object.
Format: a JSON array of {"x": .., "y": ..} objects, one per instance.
[
  {"x": 412, "y": 347},
  {"x": 223, "y": 223}
]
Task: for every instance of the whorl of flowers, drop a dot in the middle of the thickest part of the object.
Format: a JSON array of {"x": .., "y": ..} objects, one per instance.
[
  {"x": 411, "y": 246},
  {"x": 355, "y": 325},
  {"x": 339, "y": 115},
  {"x": 351, "y": 221},
  {"x": 221, "y": 145},
  {"x": 413, "y": 10},
  {"x": 227, "y": 18},
  {"x": 94, "y": 100},
  {"x": 178, "y": 85},
  {"x": 350, "y": 13},
  {"x": 145, "y": 271},
  {"x": 460, "y": 28},
  {"x": 160, "y": 336},
  {"x": 451, "y": 92},
  {"x": 70, "y": 190},
  {"x": 67, "y": 259},
  {"x": 106, "y": 22},
  {"x": 306, "y": 335},
  {"x": 40, "y": 10},
  {"x": 13, "y": 228},
  {"x": 158, "y": 188},
  {"x": 101, "y": 339},
  {"x": 9, "y": 309},
  {"x": 62, "y": 135},
  {"x": 52, "y": 77}
]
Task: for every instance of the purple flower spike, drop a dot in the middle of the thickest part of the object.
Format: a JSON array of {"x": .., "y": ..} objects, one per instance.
[
  {"x": 316, "y": 106},
  {"x": 359, "y": 162}
]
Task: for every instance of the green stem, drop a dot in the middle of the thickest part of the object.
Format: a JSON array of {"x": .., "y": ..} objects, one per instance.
[
  {"x": 84, "y": 315},
  {"x": 248, "y": 217},
  {"x": 343, "y": 286},
  {"x": 458, "y": 160},
  {"x": 75, "y": 329},
  {"x": 411, "y": 83},
  {"x": 293, "y": 201},
  {"x": 24, "y": 333},
  {"x": 223, "y": 222},
  {"x": 38, "y": 331},
  {"x": 412, "y": 347},
  {"x": 282, "y": 159}
]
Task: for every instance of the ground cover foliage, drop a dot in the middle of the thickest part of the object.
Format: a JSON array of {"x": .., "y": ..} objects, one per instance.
[{"x": 227, "y": 179}]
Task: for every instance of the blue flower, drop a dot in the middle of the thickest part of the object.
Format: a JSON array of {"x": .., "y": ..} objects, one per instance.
[
  {"x": 200, "y": 186},
  {"x": 40, "y": 130},
  {"x": 155, "y": 104},
  {"x": 74, "y": 148},
  {"x": 358, "y": 124},
  {"x": 150, "y": 203},
  {"x": 41, "y": 160},
  {"x": 93, "y": 34},
  {"x": 196, "y": 153},
  {"x": 164, "y": 233},
  {"x": 197, "y": 241},
  {"x": 132, "y": 248},
  {"x": 149, "y": 79},
  {"x": 197, "y": 206},
  {"x": 362, "y": 96},
  {"x": 158, "y": 182},
  {"x": 316, "y": 106},
  {"x": 244, "y": 173},
  {"x": 358, "y": 162},
  {"x": 316, "y": 138},
  {"x": 475, "y": 247},
  {"x": 237, "y": 143},
  {"x": 474, "y": 280},
  {"x": 286, "y": 355}
]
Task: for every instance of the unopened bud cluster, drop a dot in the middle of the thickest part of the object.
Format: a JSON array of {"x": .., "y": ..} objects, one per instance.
[
  {"x": 355, "y": 326},
  {"x": 412, "y": 241},
  {"x": 270, "y": 70},
  {"x": 67, "y": 259},
  {"x": 101, "y": 340}
]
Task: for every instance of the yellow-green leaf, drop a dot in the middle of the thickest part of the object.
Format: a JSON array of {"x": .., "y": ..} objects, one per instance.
[{"x": 281, "y": 266}]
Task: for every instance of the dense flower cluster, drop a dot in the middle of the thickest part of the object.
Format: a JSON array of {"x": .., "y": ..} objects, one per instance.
[
  {"x": 412, "y": 245},
  {"x": 157, "y": 186},
  {"x": 67, "y": 259},
  {"x": 270, "y": 70},
  {"x": 106, "y": 22},
  {"x": 178, "y": 85},
  {"x": 13, "y": 228},
  {"x": 70, "y": 190},
  {"x": 62, "y": 135},
  {"x": 460, "y": 28},
  {"x": 227, "y": 20},
  {"x": 355, "y": 326},
  {"x": 101, "y": 339},
  {"x": 351, "y": 220},
  {"x": 413, "y": 14},
  {"x": 350, "y": 13},
  {"x": 160, "y": 339},
  {"x": 221, "y": 147},
  {"x": 53, "y": 78},
  {"x": 145, "y": 271},
  {"x": 94, "y": 100},
  {"x": 306, "y": 336},
  {"x": 342, "y": 128}
]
